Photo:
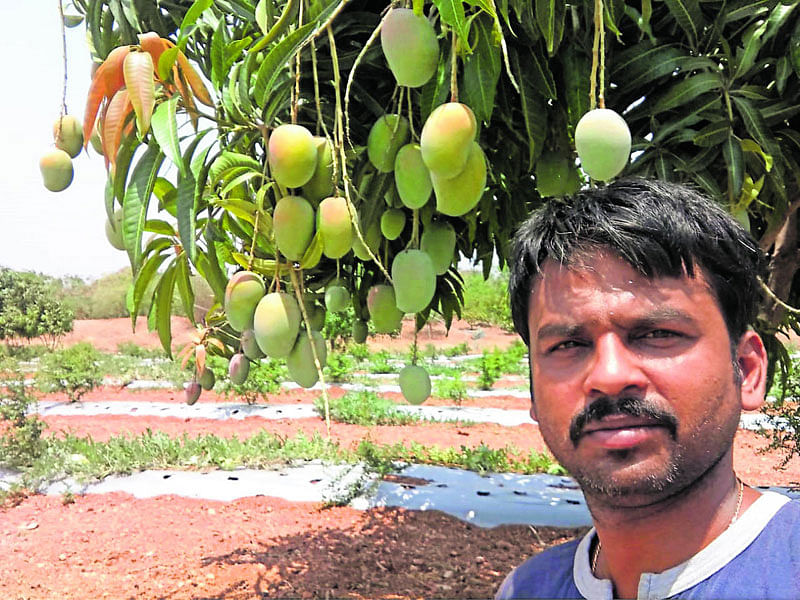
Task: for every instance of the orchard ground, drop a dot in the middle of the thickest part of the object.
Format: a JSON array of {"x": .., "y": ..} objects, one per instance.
[{"x": 118, "y": 546}]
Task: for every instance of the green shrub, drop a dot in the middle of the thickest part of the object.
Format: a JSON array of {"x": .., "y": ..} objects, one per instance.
[
  {"x": 784, "y": 413},
  {"x": 365, "y": 408},
  {"x": 135, "y": 350},
  {"x": 379, "y": 363},
  {"x": 359, "y": 352},
  {"x": 265, "y": 377},
  {"x": 339, "y": 368},
  {"x": 457, "y": 350},
  {"x": 491, "y": 368},
  {"x": 21, "y": 441},
  {"x": 338, "y": 327},
  {"x": 451, "y": 388},
  {"x": 74, "y": 371},
  {"x": 486, "y": 300}
]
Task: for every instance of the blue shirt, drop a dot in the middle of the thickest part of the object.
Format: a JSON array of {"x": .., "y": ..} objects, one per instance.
[{"x": 758, "y": 556}]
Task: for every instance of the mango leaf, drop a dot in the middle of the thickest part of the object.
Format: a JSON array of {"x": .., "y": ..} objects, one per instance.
[
  {"x": 577, "y": 70},
  {"x": 114, "y": 122},
  {"x": 687, "y": 90},
  {"x": 749, "y": 145},
  {"x": 124, "y": 158},
  {"x": 452, "y": 13},
  {"x": 794, "y": 48},
  {"x": 218, "y": 41},
  {"x": 688, "y": 16},
  {"x": 184, "y": 281},
  {"x": 734, "y": 161},
  {"x": 138, "y": 69},
  {"x": 165, "y": 130},
  {"x": 229, "y": 161},
  {"x": 276, "y": 61},
  {"x": 534, "y": 112},
  {"x": 745, "y": 9},
  {"x": 550, "y": 15},
  {"x": 746, "y": 57},
  {"x": 645, "y": 62},
  {"x": 313, "y": 253},
  {"x": 190, "y": 18},
  {"x": 166, "y": 62},
  {"x": 713, "y": 134},
  {"x": 137, "y": 200},
  {"x": 482, "y": 71},
  {"x": 541, "y": 76},
  {"x": 159, "y": 226},
  {"x": 163, "y": 302},
  {"x": 141, "y": 283},
  {"x": 187, "y": 214},
  {"x": 782, "y": 71},
  {"x": 263, "y": 17}
]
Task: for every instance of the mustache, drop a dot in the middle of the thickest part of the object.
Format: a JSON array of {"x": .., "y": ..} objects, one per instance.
[{"x": 632, "y": 406}]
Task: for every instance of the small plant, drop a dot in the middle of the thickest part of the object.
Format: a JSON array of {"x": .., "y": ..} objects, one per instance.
[
  {"x": 74, "y": 371},
  {"x": 264, "y": 378},
  {"x": 132, "y": 349},
  {"x": 491, "y": 368},
  {"x": 338, "y": 327},
  {"x": 379, "y": 363},
  {"x": 360, "y": 352},
  {"x": 784, "y": 413},
  {"x": 365, "y": 408},
  {"x": 451, "y": 388},
  {"x": 21, "y": 441},
  {"x": 457, "y": 350},
  {"x": 340, "y": 367}
]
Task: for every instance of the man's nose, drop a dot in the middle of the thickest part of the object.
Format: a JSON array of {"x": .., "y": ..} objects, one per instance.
[{"x": 613, "y": 368}]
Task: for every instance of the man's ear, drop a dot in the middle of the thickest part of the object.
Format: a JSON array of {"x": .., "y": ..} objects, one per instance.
[{"x": 751, "y": 356}]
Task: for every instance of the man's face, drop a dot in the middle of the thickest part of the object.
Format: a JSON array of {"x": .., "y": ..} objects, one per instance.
[{"x": 633, "y": 380}]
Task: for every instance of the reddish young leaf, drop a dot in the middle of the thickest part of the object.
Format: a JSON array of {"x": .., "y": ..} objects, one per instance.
[
  {"x": 114, "y": 123},
  {"x": 113, "y": 72},
  {"x": 93, "y": 101},
  {"x": 186, "y": 94},
  {"x": 191, "y": 76},
  {"x": 153, "y": 45},
  {"x": 138, "y": 69}
]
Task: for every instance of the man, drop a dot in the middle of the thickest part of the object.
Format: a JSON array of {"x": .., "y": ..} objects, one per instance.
[{"x": 635, "y": 301}]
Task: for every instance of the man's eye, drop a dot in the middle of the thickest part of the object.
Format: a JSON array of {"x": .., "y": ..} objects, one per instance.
[
  {"x": 565, "y": 345},
  {"x": 659, "y": 334}
]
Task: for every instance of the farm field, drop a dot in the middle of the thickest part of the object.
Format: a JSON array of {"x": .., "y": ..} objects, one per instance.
[{"x": 116, "y": 545}]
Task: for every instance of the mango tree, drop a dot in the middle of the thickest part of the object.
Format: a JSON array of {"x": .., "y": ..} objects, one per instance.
[{"x": 304, "y": 155}]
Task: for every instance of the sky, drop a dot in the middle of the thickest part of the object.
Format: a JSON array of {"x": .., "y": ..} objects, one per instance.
[{"x": 55, "y": 233}]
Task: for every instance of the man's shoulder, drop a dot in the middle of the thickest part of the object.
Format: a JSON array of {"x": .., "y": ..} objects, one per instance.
[{"x": 544, "y": 575}]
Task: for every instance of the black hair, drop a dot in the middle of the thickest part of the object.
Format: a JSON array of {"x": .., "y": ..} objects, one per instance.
[{"x": 661, "y": 229}]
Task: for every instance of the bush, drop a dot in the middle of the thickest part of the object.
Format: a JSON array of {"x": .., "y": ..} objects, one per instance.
[
  {"x": 339, "y": 368},
  {"x": 21, "y": 440},
  {"x": 784, "y": 413},
  {"x": 74, "y": 371},
  {"x": 29, "y": 308},
  {"x": 365, "y": 408},
  {"x": 338, "y": 328},
  {"x": 264, "y": 378}
]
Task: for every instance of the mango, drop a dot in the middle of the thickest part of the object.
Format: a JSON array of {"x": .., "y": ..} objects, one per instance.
[
  {"x": 316, "y": 316},
  {"x": 70, "y": 137},
  {"x": 411, "y": 177},
  {"x": 321, "y": 183},
  {"x": 393, "y": 221},
  {"x": 207, "y": 379},
  {"x": 191, "y": 392},
  {"x": 337, "y": 297},
  {"x": 96, "y": 141},
  {"x": 410, "y": 46},
  {"x": 439, "y": 242},
  {"x": 387, "y": 135},
  {"x": 446, "y": 139},
  {"x": 276, "y": 324},
  {"x": 335, "y": 226},
  {"x": 382, "y": 307},
  {"x": 300, "y": 361},
  {"x": 359, "y": 331},
  {"x": 242, "y": 295},
  {"x": 56, "y": 169},
  {"x": 415, "y": 384},
  {"x": 414, "y": 280},
  {"x": 114, "y": 230},
  {"x": 603, "y": 142},
  {"x": 372, "y": 235},
  {"x": 293, "y": 224},
  {"x": 552, "y": 172},
  {"x": 249, "y": 345},
  {"x": 238, "y": 369},
  {"x": 460, "y": 194},
  {"x": 292, "y": 155}
]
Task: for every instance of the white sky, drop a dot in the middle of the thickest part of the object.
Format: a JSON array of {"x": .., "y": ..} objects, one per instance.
[{"x": 54, "y": 233}]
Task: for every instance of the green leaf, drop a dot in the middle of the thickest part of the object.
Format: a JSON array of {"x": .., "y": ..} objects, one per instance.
[
  {"x": 159, "y": 226},
  {"x": 541, "y": 76},
  {"x": 137, "y": 200},
  {"x": 782, "y": 71},
  {"x": 794, "y": 48},
  {"x": 746, "y": 57},
  {"x": 482, "y": 71},
  {"x": 124, "y": 157},
  {"x": 534, "y": 112},
  {"x": 184, "y": 280},
  {"x": 313, "y": 253},
  {"x": 644, "y": 63},
  {"x": 166, "y": 61},
  {"x": 577, "y": 70},
  {"x": 195, "y": 10},
  {"x": 277, "y": 60},
  {"x": 688, "y": 16},
  {"x": 165, "y": 130},
  {"x": 746, "y": 9},
  {"x": 687, "y": 90},
  {"x": 452, "y": 14},
  {"x": 187, "y": 214},
  {"x": 141, "y": 282},
  {"x": 227, "y": 162},
  {"x": 263, "y": 20},
  {"x": 734, "y": 161},
  {"x": 713, "y": 134},
  {"x": 218, "y": 41},
  {"x": 163, "y": 300},
  {"x": 550, "y": 15}
]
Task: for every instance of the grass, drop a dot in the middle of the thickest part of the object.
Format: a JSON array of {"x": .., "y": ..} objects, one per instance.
[
  {"x": 486, "y": 301},
  {"x": 366, "y": 408}
]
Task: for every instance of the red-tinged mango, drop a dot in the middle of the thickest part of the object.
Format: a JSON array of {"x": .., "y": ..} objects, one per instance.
[
  {"x": 410, "y": 46},
  {"x": 382, "y": 307},
  {"x": 335, "y": 227},
  {"x": 446, "y": 139},
  {"x": 460, "y": 194},
  {"x": 238, "y": 369},
  {"x": 300, "y": 361},
  {"x": 242, "y": 294},
  {"x": 68, "y": 135},
  {"x": 191, "y": 392},
  {"x": 292, "y": 155},
  {"x": 276, "y": 324},
  {"x": 321, "y": 183},
  {"x": 439, "y": 242},
  {"x": 56, "y": 169},
  {"x": 249, "y": 345},
  {"x": 603, "y": 142},
  {"x": 414, "y": 280},
  {"x": 411, "y": 177},
  {"x": 386, "y": 137},
  {"x": 415, "y": 384},
  {"x": 293, "y": 225}
]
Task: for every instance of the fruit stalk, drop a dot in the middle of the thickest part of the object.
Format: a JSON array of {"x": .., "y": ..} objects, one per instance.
[{"x": 454, "y": 70}]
